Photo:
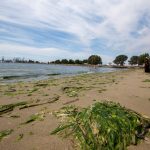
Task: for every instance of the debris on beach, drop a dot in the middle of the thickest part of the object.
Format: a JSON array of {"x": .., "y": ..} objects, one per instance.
[
  {"x": 146, "y": 80},
  {"x": 42, "y": 114},
  {"x": 10, "y": 107},
  {"x": 22, "y": 105},
  {"x": 5, "y": 133},
  {"x": 20, "y": 136},
  {"x": 101, "y": 90},
  {"x": 72, "y": 101},
  {"x": 14, "y": 116},
  {"x": 41, "y": 84},
  {"x": 73, "y": 91},
  {"x": 34, "y": 117},
  {"x": 52, "y": 100},
  {"x": 104, "y": 125}
]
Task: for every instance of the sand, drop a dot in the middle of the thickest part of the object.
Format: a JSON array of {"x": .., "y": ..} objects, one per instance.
[{"x": 127, "y": 87}]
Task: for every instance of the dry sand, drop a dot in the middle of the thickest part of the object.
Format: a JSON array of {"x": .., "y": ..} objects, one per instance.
[{"x": 126, "y": 87}]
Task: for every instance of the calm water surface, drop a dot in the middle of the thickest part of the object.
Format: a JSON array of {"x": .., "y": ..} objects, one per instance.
[{"x": 12, "y": 72}]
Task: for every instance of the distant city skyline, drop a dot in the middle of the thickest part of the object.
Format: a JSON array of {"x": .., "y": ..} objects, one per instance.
[{"x": 47, "y": 30}]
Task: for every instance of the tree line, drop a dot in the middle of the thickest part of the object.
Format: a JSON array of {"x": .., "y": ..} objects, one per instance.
[
  {"x": 93, "y": 59},
  {"x": 69, "y": 61},
  {"x": 134, "y": 60},
  {"x": 19, "y": 60},
  {"x": 138, "y": 60}
]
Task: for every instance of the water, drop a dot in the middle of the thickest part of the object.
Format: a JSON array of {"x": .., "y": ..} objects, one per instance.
[{"x": 13, "y": 72}]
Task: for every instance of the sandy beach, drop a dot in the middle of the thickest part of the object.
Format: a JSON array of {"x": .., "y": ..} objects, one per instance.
[{"x": 131, "y": 88}]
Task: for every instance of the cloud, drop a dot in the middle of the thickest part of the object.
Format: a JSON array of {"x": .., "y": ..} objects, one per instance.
[
  {"x": 116, "y": 26},
  {"x": 45, "y": 54},
  {"x": 40, "y": 53}
]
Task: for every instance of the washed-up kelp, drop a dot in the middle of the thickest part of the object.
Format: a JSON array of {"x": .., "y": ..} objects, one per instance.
[
  {"x": 34, "y": 117},
  {"x": 22, "y": 105},
  {"x": 52, "y": 100},
  {"x": 73, "y": 91},
  {"x": 10, "y": 107},
  {"x": 5, "y": 133},
  {"x": 20, "y": 137},
  {"x": 102, "y": 126}
]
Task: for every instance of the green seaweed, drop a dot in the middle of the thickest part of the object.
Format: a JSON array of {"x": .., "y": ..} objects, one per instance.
[
  {"x": 42, "y": 84},
  {"x": 31, "y": 133},
  {"x": 33, "y": 90},
  {"x": 102, "y": 126},
  {"x": 5, "y": 133},
  {"x": 20, "y": 137},
  {"x": 101, "y": 90},
  {"x": 10, "y": 107},
  {"x": 45, "y": 94},
  {"x": 72, "y": 91},
  {"x": 52, "y": 100},
  {"x": 15, "y": 116},
  {"x": 146, "y": 80},
  {"x": 34, "y": 117}
]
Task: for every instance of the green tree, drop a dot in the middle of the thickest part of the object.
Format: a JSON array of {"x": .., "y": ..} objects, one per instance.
[
  {"x": 57, "y": 61},
  {"x": 94, "y": 60},
  {"x": 120, "y": 60},
  {"x": 77, "y": 61},
  {"x": 71, "y": 61},
  {"x": 85, "y": 61},
  {"x": 64, "y": 61},
  {"x": 134, "y": 60},
  {"x": 142, "y": 57}
]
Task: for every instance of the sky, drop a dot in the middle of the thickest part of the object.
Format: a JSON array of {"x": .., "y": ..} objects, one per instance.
[{"x": 47, "y": 30}]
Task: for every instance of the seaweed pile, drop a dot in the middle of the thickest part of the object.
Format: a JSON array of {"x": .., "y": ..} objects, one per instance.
[{"x": 102, "y": 126}]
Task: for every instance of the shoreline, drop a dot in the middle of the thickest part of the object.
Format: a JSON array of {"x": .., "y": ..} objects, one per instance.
[
  {"x": 29, "y": 78},
  {"x": 129, "y": 87},
  {"x": 83, "y": 65}
]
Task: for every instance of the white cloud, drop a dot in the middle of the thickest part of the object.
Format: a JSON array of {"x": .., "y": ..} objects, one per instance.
[{"x": 48, "y": 54}]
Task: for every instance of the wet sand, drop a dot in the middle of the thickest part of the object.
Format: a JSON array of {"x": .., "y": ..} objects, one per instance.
[{"x": 131, "y": 88}]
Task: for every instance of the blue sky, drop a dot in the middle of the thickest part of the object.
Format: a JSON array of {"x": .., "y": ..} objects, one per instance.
[{"x": 48, "y": 29}]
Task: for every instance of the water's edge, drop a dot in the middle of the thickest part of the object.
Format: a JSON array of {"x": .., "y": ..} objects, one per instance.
[{"x": 10, "y": 73}]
